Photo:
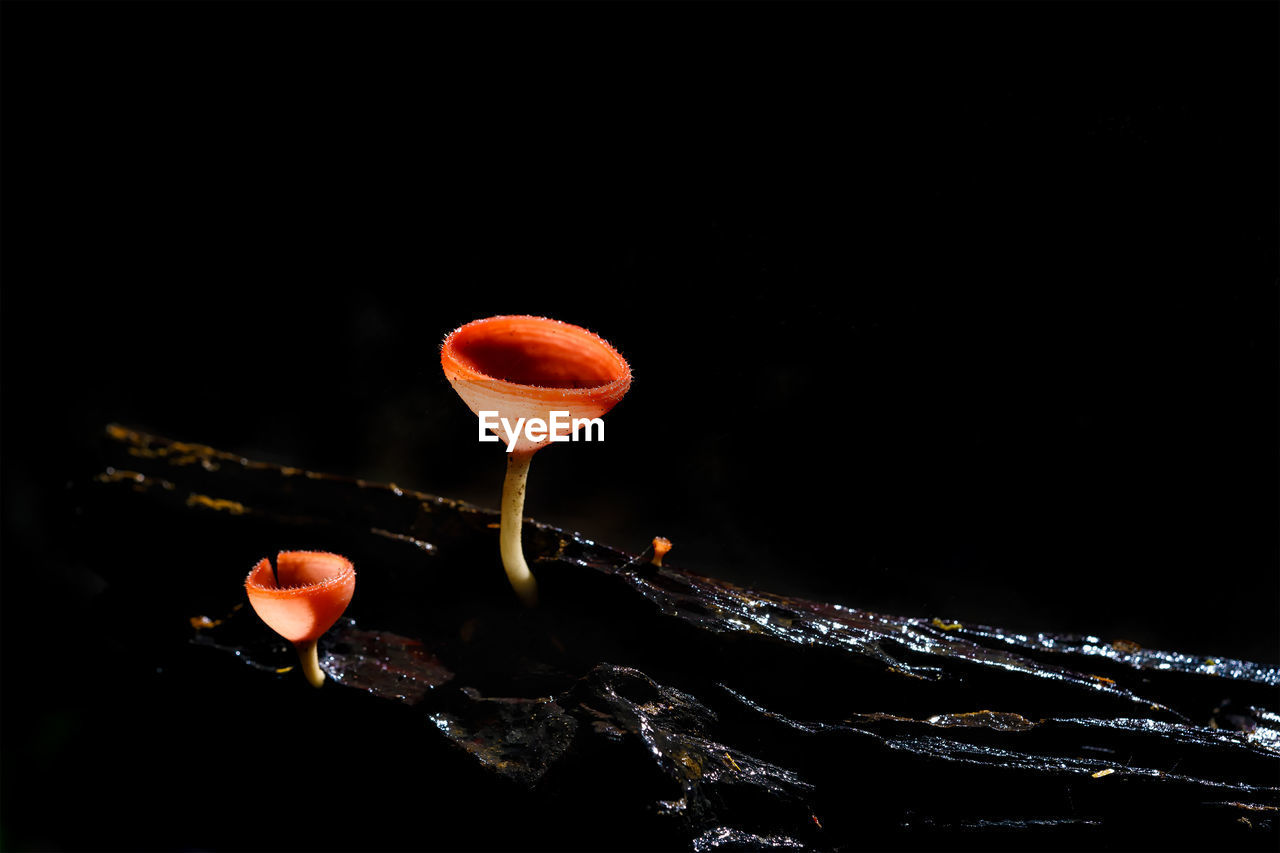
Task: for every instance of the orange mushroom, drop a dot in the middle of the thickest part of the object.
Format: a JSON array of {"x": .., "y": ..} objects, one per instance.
[
  {"x": 525, "y": 369},
  {"x": 312, "y": 591}
]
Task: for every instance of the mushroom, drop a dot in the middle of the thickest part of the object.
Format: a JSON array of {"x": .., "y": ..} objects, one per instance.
[
  {"x": 522, "y": 367},
  {"x": 302, "y": 599}
]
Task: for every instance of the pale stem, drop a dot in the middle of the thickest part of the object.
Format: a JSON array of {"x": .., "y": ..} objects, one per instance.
[
  {"x": 310, "y": 663},
  {"x": 513, "y": 486}
]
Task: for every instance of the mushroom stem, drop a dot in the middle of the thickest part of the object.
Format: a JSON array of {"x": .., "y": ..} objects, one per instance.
[
  {"x": 310, "y": 662},
  {"x": 513, "y": 488}
]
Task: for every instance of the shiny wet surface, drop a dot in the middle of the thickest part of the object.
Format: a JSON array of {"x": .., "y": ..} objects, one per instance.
[{"x": 653, "y": 707}]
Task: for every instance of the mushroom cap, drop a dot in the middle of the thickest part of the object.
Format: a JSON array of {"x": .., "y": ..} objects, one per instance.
[
  {"x": 527, "y": 367},
  {"x": 315, "y": 588}
]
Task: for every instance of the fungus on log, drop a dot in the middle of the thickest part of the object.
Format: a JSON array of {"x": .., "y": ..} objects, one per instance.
[
  {"x": 301, "y": 599},
  {"x": 645, "y": 699},
  {"x": 521, "y": 370}
]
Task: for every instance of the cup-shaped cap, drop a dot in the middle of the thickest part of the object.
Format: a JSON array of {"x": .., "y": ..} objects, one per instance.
[
  {"x": 528, "y": 367},
  {"x": 315, "y": 588}
]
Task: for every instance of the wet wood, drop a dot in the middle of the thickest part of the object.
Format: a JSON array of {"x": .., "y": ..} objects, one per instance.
[{"x": 730, "y": 718}]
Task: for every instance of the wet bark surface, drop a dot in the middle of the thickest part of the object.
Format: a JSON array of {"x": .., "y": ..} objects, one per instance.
[{"x": 644, "y": 706}]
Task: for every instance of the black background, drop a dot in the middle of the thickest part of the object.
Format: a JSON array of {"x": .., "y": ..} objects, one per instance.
[{"x": 963, "y": 310}]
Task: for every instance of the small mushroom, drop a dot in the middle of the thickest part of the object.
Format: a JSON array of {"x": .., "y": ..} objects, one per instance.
[
  {"x": 302, "y": 599},
  {"x": 528, "y": 367}
]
